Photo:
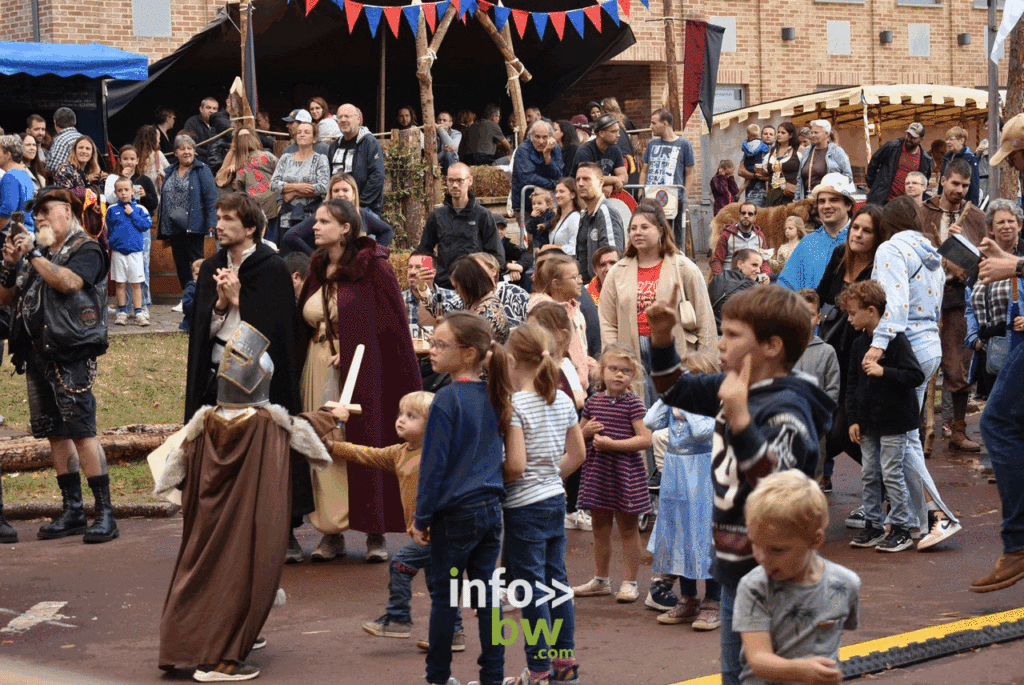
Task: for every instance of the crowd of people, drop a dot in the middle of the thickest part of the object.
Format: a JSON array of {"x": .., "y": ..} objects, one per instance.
[{"x": 511, "y": 392}]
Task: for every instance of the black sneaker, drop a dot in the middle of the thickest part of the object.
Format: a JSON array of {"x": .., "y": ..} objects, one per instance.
[
  {"x": 897, "y": 540},
  {"x": 856, "y": 518},
  {"x": 869, "y": 537},
  {"x": 660, "y": 596}
]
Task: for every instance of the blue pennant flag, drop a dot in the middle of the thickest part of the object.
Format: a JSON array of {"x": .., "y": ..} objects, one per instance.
[
  {"x": 412, "y": 15},
  {"x": 576, "y": 18},
  {"x": 468, "y": 6},
  {"x": 442, "y": 9},
  {"x": 612, "y": 8},
  {"x": 646, "y": 3},
  {"x": 540, "y": 21},
  {"x": 373, "y": 15},
  {"x": 501, "y": 15}
]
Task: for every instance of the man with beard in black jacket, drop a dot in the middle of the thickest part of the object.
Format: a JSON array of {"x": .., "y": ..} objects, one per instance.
[
  {"x": 460, "y": 227},
  {"x": 891, "y": 163}
]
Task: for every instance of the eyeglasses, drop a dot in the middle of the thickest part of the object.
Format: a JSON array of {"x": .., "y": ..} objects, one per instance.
[
  {"x": 748, "y": 213},
  {"x": 577, "y": 277},
  {"x": 442, "y": 345},
  {"x": 457, "y": 181}
]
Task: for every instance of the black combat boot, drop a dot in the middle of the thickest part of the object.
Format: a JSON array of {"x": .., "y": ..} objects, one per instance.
[
  {"x": 7, "y": 533},
  {"x": 72, "y": 517},
  {"x": 104, "y": 527}
]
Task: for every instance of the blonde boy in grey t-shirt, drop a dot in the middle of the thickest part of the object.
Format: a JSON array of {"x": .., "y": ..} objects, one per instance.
[{"x": 791, "y": 610}]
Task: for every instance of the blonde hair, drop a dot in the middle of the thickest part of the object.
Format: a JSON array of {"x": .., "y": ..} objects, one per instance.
[
  {"x": 489, "y": 261},
  {"x": 545, "y": 195},
  {"x": 532, "y": 346},
  {"x": 416, "y": 402},
  {"x": 615, "y": 351},
  {"x": 957, "y": 132},
  {"x": 790, "y": 502},
  {"x": 801, "y": 226},
  {"x": 753, "y": 130}
]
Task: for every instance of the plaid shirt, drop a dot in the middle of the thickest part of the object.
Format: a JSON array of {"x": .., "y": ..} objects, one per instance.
[{"x": 61, "y": 147}]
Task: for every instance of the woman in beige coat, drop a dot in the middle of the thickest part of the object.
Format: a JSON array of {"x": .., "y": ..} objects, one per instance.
[{"x": 653, "y": 266}]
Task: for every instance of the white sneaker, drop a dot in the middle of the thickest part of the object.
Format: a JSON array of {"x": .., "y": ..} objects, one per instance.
[
  {"x": 121, "y": 319},
  {"x": 141, "y": 319},
  {"x": 583, "y": 520},
  {"x": 942, "y": 529},
  {"x": 330, "y": 547},
  {"x": 178, "y": 308},
  {"x": 570, "y": 522}
]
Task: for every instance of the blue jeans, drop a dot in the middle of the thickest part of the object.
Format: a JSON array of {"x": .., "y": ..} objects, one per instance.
[
  {"x": 712, "y": 588},
  {"x": 914, "y": 468},
  {"x": 535, "y": 553},
  {"x": 882, "y": 459},
  {"x": 731, "y": 641},
  {"x": 468, "y": 540},
  {"x": 404, "y": 566},
  {"x": 1002, "y": 429}
]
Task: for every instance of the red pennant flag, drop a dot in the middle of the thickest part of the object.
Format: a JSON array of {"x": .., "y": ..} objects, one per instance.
[
  {"x": 352, "y": 10},
  {"x": 594, "y": 15},
  {"x": 484, "y": 5},
  {"x": 394, "y": 16},
  {"x": 458, "y": 11},
  {"x": 520, "y": 17},
  {"x": 625, "y": 6},
  {"x": 310, "y": 4},
  {"x": 558, "y": 21},
  {"x": 430, "y": 14}
]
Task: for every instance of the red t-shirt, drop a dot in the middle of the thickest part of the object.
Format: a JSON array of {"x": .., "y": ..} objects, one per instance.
[
  {"x": 646, "y": 292},
  {"x": 908, "y": 162}
]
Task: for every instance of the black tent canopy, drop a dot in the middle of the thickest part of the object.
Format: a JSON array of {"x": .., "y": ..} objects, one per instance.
[{"x": 298, "y": 57}]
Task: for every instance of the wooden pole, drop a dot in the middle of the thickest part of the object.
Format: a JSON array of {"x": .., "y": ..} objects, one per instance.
[
  {"x": 424, "y": 61},
  {"x": 515, "y": 69},
  {"x": 1009, "y": 183},
  {"x": 244, "y": 116},
  {"x": 383, "y": 71},
  {"x": 442, "y": 28},
  {"x": 672, "y": 62}
]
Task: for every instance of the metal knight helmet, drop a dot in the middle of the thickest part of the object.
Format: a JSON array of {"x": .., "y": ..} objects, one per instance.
[{"x": 243, "y": 379}]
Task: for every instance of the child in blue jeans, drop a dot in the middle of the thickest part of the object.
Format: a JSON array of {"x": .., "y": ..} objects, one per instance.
[
  {"x": 545, "y": 446},
  {"x": 882, "y": 409},
  {"x": 403, "y": 460},
  {"x": 458, "y": 497}
]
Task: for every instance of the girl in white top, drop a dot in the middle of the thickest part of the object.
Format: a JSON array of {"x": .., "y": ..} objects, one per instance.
[
  {"x": 567, "y": 216},
  {"x": 544, "y": 446}
]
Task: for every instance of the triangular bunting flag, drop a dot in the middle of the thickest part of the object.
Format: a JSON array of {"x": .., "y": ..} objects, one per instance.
[
  {"x": 558, "y": 21},
  {"x": 500, "y": 16},
  {"x": 519, "y": 18},
  {"x": 310, "y": 4},
  {"x": 646, "y": 3},
  {"x": 458, "y": 10},
  {"x": 373, "y": 15},
  {"x": 412, "y": 15},
  {"x": 442, "y": 9},
  {"x": 625, "y": 6},
  {"x": 576, "y": 19},
  {"x": 484, "y": 5},
  {"x": 430, "y": 14},
  {"x": 394, "y": 16},
  {"x": 540, "y": 22},
  {"x": 469, "y": 7},
  {"x": 594, "y": 15},
  {"x": 611, "y": 7},
  {"x": 352, "y": 10}
]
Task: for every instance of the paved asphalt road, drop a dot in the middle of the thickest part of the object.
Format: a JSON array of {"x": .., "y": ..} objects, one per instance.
[{"x": 107, "y": 629}]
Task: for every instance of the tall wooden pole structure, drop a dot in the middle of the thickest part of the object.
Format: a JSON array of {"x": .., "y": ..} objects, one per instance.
[
  {"x": 425, "y": 56},
  {"x": 240, "y": 112},
  {"x": 672, "y": 62},
  {"x": 515, "y": 69},
  {"x": 383, "y": 73}
]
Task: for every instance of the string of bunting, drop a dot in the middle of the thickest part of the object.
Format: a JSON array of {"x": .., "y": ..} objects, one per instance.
[{"x": 432, "y": 11}]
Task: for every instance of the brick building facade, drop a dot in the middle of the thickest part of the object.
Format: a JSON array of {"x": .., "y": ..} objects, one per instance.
[{"x": 837, "y": 44}]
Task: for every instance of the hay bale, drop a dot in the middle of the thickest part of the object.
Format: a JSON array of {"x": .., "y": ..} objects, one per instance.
[
  {"x": 399, "y": 260},
  {"x": 490, "y": 181}
]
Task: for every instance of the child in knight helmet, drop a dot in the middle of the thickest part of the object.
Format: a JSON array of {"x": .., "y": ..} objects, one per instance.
[
  {"x": 681, "y": 540},
  {"x": 613, "y": 485}
]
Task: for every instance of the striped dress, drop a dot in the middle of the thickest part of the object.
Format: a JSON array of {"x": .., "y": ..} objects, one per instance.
[{"x": 615, "y": 481}]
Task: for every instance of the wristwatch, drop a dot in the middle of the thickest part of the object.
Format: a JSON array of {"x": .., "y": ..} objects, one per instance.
[{"x": 34, "y": 253}]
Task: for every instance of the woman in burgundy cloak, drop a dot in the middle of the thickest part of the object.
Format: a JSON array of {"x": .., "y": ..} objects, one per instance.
[{"x": 350, "y": 278}]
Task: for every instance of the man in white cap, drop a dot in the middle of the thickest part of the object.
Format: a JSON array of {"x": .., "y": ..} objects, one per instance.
[
  {"x": 893, "y": 162},
  {"x": 833, "y": 199},
  {"x": 294, "y": 118}
]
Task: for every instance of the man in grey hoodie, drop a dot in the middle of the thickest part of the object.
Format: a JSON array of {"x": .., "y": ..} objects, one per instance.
[{"x": 358, "y": 153}]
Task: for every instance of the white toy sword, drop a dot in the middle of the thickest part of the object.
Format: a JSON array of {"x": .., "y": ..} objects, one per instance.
[{"x": 350, "y": 384}]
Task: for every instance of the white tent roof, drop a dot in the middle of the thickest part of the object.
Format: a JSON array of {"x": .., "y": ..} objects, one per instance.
[{"x": 895, "y": 106}]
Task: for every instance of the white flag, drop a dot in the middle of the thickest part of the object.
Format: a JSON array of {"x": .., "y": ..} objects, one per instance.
[{"x": 1012, "y": 11}]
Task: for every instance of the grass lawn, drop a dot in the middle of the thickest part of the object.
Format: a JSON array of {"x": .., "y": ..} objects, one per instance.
[{"x": 141, "y": 379}]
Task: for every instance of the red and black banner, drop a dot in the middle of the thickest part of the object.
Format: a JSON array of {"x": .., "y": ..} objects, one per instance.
[{"x": 700, "y": 68}]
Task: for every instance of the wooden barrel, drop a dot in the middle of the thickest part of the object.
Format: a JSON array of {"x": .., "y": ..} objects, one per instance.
[{"x": 163, "y": 277}]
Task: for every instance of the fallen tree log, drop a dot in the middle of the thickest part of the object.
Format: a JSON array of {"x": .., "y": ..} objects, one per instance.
[{"x": 120, "y": 445}]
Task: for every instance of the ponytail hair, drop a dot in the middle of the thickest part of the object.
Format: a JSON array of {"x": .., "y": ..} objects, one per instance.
[
  {"x": 534, "y": 347},
  {"x": 473, "y": 331}
]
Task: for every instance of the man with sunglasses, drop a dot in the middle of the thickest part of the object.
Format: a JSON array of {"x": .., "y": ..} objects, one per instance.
[{"x": 742, "y": 235}]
